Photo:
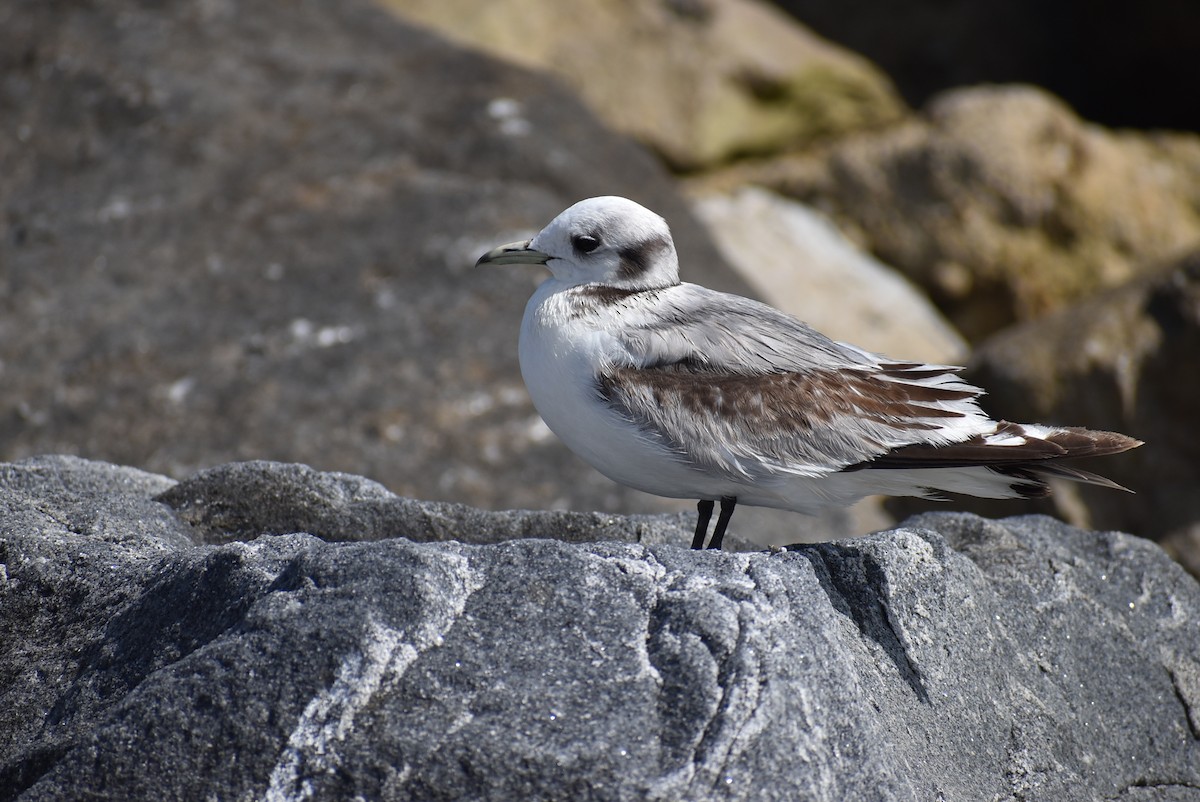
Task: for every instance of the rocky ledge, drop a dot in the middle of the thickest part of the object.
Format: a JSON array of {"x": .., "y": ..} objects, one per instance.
[{"x": 267, "y": 631}]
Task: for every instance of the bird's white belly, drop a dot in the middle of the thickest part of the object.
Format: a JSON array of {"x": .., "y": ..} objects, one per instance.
[{"x": 560, "y": 359}]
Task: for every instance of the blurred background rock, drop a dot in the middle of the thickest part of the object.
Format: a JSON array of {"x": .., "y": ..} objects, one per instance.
[{"x": 246, "y": 231}]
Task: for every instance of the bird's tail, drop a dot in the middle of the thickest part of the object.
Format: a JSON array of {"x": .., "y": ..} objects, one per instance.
[{"x": 1015, "y": 460}]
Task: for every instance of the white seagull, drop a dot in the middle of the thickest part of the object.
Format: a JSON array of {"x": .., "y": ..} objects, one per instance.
[{"x": 684, "y": 392}]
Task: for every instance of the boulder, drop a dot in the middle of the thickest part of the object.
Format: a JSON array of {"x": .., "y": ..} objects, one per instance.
[
  {"x": 953, "y": 658},
  {"x": 248, "y": 233},
  {"x": 240, "y": 501},
  {"x": 1001, "y": 203},
  {"x": 699, "y": 81}
]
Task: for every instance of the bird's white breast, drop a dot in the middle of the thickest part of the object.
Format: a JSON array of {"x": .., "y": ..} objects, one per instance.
[{"x": 564, "y": 347}]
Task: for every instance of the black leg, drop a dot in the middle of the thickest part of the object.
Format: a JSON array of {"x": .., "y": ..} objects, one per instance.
[
  {"x": 727, "y": 505},
  {"x": 705, "y": 508}
]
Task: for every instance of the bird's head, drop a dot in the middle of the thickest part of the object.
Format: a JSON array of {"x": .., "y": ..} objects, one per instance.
[{"x": 609, "y": 240}]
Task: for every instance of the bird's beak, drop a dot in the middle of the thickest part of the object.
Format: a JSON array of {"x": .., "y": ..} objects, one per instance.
[{"x": 514, "y": 253}]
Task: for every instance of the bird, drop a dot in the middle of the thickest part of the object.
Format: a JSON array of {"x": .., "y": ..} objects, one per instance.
[{"x": 685, "y": 392}]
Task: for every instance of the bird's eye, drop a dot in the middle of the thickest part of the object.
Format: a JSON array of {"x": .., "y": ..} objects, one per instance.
[{"x": 584, "y": 243}]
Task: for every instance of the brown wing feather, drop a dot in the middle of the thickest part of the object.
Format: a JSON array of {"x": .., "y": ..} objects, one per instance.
[{"x": 825, "y": 419}]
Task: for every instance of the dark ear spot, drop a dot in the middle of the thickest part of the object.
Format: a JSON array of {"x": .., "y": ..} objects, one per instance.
[{"x": 638, "y": 259}]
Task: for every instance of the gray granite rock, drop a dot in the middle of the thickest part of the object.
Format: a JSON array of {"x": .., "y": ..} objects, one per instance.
[
  {"x": 240, "y": 501},
  {"x": 954, "y": 658},
  {"x": 233, "y": 231}
]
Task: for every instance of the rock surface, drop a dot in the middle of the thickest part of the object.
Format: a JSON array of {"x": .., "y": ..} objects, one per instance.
[
  {"x": 954, "y": 658},
  {"x": 1001, "y": 203},
  {"x": 699, "y": 81},
  {"x": 248, "y": 233}
]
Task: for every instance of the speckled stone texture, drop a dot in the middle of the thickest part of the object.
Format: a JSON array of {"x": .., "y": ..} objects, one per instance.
[{"x": 954, "y": 658}]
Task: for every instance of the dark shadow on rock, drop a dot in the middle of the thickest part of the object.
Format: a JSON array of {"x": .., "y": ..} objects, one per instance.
[{"x": 856, "y": 587}]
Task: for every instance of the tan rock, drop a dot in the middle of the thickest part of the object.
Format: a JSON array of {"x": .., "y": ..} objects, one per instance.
[
  {"x": 1002, "y": 203},
  {"x": 799, "y": 262},
  {"x": 699, "y": 81}
]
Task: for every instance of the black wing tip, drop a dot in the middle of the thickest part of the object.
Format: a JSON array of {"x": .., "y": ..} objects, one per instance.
[
  {"x": 918, "y": 370},
  {"x": 1071, "y": 473}
]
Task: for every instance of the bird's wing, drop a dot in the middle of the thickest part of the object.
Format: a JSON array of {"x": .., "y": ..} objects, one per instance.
[{"x": 742, "y": 389}]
